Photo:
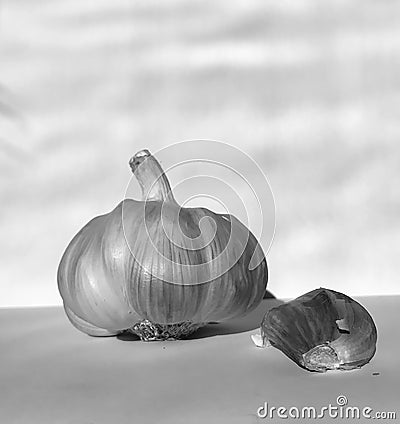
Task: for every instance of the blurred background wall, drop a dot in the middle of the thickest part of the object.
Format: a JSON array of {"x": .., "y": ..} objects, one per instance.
[{"x": 309, "y": 89}]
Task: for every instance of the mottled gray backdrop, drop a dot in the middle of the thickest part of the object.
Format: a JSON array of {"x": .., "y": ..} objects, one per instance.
[{"x": 310, "y": 89}]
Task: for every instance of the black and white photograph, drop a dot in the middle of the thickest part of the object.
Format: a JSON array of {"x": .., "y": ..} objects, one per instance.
[{"x": 199, "y": 211}]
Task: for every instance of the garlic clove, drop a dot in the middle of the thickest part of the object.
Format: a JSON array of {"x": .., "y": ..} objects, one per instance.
[
  {"x": 258, "y": 340},
  {"x": 86, "y": 327},
  {"x": 322, "y": 330}
]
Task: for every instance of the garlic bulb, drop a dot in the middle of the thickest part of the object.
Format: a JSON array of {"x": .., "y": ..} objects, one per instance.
[
  {"x": 157, "y": 269},
  {"x": 322, "y": 330}
]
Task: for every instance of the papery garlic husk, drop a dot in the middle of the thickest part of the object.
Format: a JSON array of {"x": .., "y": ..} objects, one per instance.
[
  {"x": 322, "y": 330},
  {"x": 158, "y": 269}
]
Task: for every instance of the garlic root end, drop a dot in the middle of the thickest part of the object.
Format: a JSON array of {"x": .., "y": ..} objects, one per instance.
[{"x": 149, "y": 331}]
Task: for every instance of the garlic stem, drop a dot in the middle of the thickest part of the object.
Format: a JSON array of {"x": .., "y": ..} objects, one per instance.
[{"x": 151, "y": 177}]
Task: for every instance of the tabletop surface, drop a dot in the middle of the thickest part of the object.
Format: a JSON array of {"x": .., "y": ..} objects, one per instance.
[{"x": 52, "y": 373}]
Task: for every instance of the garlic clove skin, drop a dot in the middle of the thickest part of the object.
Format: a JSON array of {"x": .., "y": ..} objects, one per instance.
[
  {"x": 86, "y": 327},
  {"x": 258, "y": 339},
  {"x": 322, "y": 330},
  {"x": 93, "y": 272}
]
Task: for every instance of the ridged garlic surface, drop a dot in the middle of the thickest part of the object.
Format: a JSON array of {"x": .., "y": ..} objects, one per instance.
[{"x": 159, "y": 269}]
